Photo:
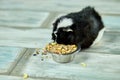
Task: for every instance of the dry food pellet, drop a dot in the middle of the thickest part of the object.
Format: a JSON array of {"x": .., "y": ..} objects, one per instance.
[
  {"x": 34, "y": 54},
  {"x": 42, "y": 58},
  {"x": 83, "y": 64},
  {"x": 25, "y": 76},
  {"x": 37, "y": 52},
  {"x": 44, "y": 53}
]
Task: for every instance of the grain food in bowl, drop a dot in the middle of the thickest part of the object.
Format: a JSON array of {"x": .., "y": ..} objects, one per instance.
[
  {"x": 60, "y": 48},
  {"x": 61, "y": 53}
]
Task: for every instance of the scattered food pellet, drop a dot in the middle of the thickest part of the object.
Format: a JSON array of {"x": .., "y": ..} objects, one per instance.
[
  {"x": 34, "y": 54},
  {"x": 42, "y": 59},
  {"x": 83, "y": 64},
  {"x": 37, "y": 52},
  {"x": 44, "y": 52},
  {"x": 25, "y": 76}
]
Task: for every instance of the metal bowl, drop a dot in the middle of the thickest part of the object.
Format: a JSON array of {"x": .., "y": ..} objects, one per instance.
[{"x": 64, "y": 58}]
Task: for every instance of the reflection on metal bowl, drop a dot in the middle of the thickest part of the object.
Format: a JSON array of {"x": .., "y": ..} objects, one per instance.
[{"x": 64, "y": 58}]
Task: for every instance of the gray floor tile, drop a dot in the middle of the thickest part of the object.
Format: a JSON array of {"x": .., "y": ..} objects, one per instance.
[
  {"x": 8, "y": 56},
  {"x": 4, "y": 77},
  {"x": 22, "y": 19},
  {"x": 30, "y": 38},
  {"x": 111, "y": 22},
  {"x": 105, "y": 6},
  {"x": 99, "y": 66},
  {"x": 108, "y": 44}
]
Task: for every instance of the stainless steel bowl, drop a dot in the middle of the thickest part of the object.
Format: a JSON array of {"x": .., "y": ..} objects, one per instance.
[{"x": 64, "y": 58}]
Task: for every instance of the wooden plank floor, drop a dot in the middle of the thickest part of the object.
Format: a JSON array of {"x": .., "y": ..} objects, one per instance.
[
  {"x": 104, "y": 6},
  {"x": 25, "y": 19},
  {"x": 28, "y": 24}
]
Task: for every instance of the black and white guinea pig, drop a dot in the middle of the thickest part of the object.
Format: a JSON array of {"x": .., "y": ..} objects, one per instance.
[{"x": 84, "y": 28}]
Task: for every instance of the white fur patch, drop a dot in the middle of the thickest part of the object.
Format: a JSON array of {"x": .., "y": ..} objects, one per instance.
[
  {"x": 100, "y": 34},
  {"x": 65, "y": 22},
  {"x": 68, "y": 30}
]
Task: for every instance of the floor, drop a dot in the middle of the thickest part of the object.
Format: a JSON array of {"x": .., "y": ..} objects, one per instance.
[{"x": 27, "y": 24}]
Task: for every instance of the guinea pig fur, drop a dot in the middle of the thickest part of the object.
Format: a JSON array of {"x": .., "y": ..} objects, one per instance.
[{"x": 83, "y": 28}]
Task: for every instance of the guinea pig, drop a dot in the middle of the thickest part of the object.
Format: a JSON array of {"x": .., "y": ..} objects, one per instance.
[{"x": 84, "y": 28}]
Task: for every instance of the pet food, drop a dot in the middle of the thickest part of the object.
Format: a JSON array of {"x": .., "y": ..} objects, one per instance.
[
  {"x": 60, "y": 48},
  {"x": 25, "y": 76}
]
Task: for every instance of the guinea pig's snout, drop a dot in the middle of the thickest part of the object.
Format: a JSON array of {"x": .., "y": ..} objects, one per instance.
[
  {"x": 54, "y": 36},
  {"x": 55, "y": 33}
]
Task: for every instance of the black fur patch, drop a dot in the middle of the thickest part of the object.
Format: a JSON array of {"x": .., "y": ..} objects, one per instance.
[{"x": 86, "y": 26}]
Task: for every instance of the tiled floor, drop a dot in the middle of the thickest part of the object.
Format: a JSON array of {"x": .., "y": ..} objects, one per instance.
[
  {"x": 25, "y": 19},
  {"x": 8, "y": 57},
  {"x": 104, "y": 6},
  {"x": 96, "y": 62},
  {"x": 109, "y": 44},
  {"x": 111, "y": 22},
  {"x": 27, "y": 24},
  {"x": 20, "y": 78}
]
